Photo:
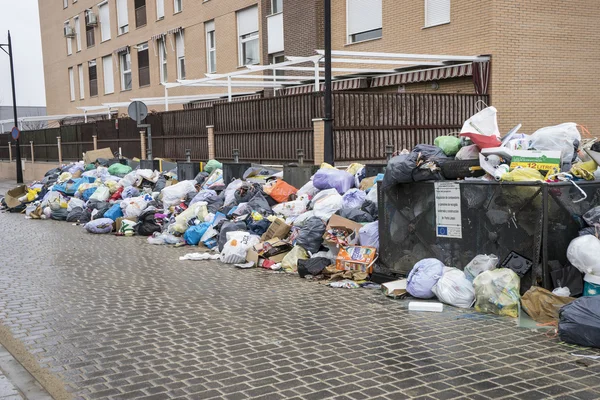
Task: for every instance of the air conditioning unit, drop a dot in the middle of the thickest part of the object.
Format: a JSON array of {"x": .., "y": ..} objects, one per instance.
[
  {"x": 69, "y": 32},
  {"x": 91, "y": 19}
]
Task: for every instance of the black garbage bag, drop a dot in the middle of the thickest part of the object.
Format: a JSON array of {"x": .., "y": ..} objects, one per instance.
[
  {"x": 260, "y": 204},
  {"x": 76, "y": 214},
  {"x": 86, "y": 216},
  {"x": 160, "y": 184},
  {"x": 147, "y": 224},
  {"x": 53, "y": 171},
  {"x": 271, "y": 201},
  {"x": 101, "y": 206},
  {"x": 201, "y": 177},
  {"x": 570, "y": 277},
  {"x": 370, "y": 208},
  {"x": 590, "y": 231},
  {"x": 312, "y": 266},
  {"x": 60, "y": 215},
  {"x": 311, "y": 234},
  {"x": 403, "y": 168},
  {"x": 229, "y": 226},
  {"x": 49, "y": 179},
  {"x": 579, "y": 322},
  {"x": 246, "y": 192},
  {"x": 258, "y": 227},
  {"x": 355, "y": 214},
  {"x": 214, "y": 204},
  {"x": 103, "y": 162}
]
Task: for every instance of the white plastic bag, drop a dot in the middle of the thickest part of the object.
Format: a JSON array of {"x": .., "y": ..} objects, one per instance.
[
  {"x": 584, "y": 254},
  {"x": 230, "y": 191},
  {"x": 479, "y": 264},
  {"x": 485, "y": 122},
  {"x": 559, "y": 138},
  {"x": 101, "y": 194},
  {"x": 237, "y": 246},
  {"x": 198, "y": 210},
  {"x": 454, "y": 288},
  {"x": 75, "y": 202},
  {"x": 172, "y": 195},
  {"x": 308, "y": 189},
  {"x": 326, "y": 203},
  {"x": 468, "y": 153},
  {"x": 292, "y": 208},
  {"x": 372, "y": 195},
  {"x": 133, "y": 206}
]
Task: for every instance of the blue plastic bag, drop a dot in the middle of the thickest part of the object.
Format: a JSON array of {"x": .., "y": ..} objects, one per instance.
[
  {"x": 114, "y": 212},
  {"x": 194, "y": 233},
  {"x": 88, "y": 193},
  {"x": 70, "y": 187},
  {"x": 330, "y": 178},
  {"x": 130, "y": 191},
  {"x": 423, "y": 277}
]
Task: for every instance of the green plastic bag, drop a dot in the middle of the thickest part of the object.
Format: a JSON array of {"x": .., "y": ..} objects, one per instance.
[
  {"x": 119, "y": 169},
  {"x": 212, "y": 165},
  {"x": 90, "y": 167},
  {"x": 449, "y": 144}
]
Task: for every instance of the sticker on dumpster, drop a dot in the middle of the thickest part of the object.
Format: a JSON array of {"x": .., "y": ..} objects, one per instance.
[{"x": 447, "y": 210}]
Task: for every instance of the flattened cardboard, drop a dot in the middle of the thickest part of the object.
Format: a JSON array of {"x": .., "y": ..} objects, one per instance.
[
  {"x": 12, "y": 196},
  {"x": 278, "y": 228},
  {"x": 92, "y": 155}
]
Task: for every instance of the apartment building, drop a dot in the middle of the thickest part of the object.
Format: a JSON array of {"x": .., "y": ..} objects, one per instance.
[{"x": 543, "y": 53}]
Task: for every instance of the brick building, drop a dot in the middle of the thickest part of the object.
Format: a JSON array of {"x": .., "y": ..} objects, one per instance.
[{"x": 543, "y": 52}]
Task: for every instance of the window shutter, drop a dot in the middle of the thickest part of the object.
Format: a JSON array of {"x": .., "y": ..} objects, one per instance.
[
  {"x": 104, "y": 21},
  {"x": 247, "y": 21},
  {"x": 363, "y": 16},
  {"x": 107, "y": 69},
  {"x": 122, "y": 13},
  {"x": 180, "y": 44},
  {"x": 160, "y": 9},
  {"x": 72, "y": 84},
  {"x": 81, "y": 84},
  {"x": 437, "y": 12},
  {"x": 210, "y": 26}
]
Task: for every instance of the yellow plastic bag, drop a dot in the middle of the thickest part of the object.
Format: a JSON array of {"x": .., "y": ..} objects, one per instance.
[
  {"x": 325, "y": 165},
  {"x": 354, "y": 168},
  {"x": 32, "y": 194},
  {"x": 523, "y": 175},
  {"x": 585, "y": 170},
  {"x": 290, "y": 261},
  {"x": 112, "y": 186},
  {"x": 497, "y": 292},
  {"x": 256, "y": 216}
]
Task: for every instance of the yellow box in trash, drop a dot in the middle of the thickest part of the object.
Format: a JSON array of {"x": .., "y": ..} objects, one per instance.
[
  {"x": 540, "y": 160},
  {"x": 356, "y": 258}
]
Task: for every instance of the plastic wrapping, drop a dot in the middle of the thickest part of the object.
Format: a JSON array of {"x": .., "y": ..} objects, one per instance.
[
  {"x": 542, "y": 305},
  {"x": 479, "y": 264},
  {"x": 101, "y": 194},
  {"x": 311, "y": 235},
  {"x": 308, "y": 189},
  {"x": 328, "y": 178},
  {"x": 497, "y": 292},
  {"x": 423, "y": 277},
  {"x": 454, "y": 288},
  {"x": 234, "y": 251},
  {"x": 449, "y": 144},
  {"x": 583, "y": 253},
  {"x": 592, "y": 217},
  {"x": 564, "y": 137},
  {"x": 172, "y": 195},
  {"x": 369, "y": 235},
  {"x": 290, "y": 261},
  {"x": 326, "y": 203},
  {"x": 198, "y": 210},
  {"x": 292, "y": 208},
  {"x": 485, "y": 122},
  {"x": 523, "y": 175},
  {"x": 579, "y": 322},
  {"x": 353, "y": 198},
  {"x": 468, "y": 153}
]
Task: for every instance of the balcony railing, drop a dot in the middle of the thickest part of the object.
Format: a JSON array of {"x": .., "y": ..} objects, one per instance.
[{"x": 140, "y": 16}]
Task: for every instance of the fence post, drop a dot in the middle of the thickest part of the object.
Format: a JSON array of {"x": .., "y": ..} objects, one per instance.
[
  {"x": 95, "y": 139},
  {"x": 59, "y": 149},
  {"x": 10, "y": 151},
  {"x": 211, "y": 142},
  {"x": 143, "y": 145},
  {"x": 319, "y": 141},
  {"x": 32, "y": 151}
]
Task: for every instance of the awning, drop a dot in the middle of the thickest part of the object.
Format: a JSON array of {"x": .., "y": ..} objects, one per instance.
[
  {"x": 210, "y": 103},
  {"x": 342, "y": 84},
  {"x": 158, "y": 36},
  {"x": 121, "y": 50},
  {"x": 423, "y": 75},
  {"x": 174, "y": 30}
]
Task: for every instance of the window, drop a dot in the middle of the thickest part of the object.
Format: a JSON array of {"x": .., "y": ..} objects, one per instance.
[
  {"x": 125, "y": 61},
  {"x": 162, "y": 60},
  {"x": 72, "y": 84},
  {"x": 140, "y": 12},
  {"x": 276, "y": 60},
  {"x": 65, "y": 3},
  {"x": 122, "y": 16},
  {"x": 437, "y": 12},
  {"x": 364, "y": 20},
  {"x": 211, "y": 49},
  {"x": 81, "y": 80},
  {"x": 160, "y": 9},
  {"x": 276, "y": 6},
  {"x": 248, "y": 46},
  {"x": 143, "y": 64},
  {"x": 104, "y": 14},
  {"x": 69, "y": 42},
  {"x": 109, "y": 78},
  {"x": 178, "y": 6},
  {"x": 89, "y": 36},
  {"x": 93, "y": 76},
  {"x": 77, "y": 32},
  {"x": 180, "y": 47}
]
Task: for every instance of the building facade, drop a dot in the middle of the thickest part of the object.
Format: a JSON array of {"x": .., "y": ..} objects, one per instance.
[{"x": 543, "y": 52}]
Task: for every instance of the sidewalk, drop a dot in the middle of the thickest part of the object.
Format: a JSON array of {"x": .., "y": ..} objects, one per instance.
[
  {"x": 6, "y": 185},
  {"x": 15, "y": 382}
]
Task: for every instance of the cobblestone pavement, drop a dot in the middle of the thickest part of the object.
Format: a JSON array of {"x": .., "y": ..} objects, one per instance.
[{"x": 117, "y": 318}]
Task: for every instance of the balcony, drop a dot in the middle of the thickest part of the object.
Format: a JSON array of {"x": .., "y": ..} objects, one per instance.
[
  {"x": 140, "y": 16},
  {"x": 144, "y": 74},
  {"x": 275, "y": 33}
]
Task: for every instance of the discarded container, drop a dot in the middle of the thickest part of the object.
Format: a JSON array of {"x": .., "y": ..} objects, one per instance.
[
  {"x": 425, "y": 306},
  {"x": 591, "y": 285}
]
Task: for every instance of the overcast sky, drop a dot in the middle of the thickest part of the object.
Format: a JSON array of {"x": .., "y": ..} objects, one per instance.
[{"x": 22, "y": 18}]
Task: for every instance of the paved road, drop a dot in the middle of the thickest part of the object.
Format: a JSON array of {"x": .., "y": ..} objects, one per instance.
[{"x": 117, "y": 318}]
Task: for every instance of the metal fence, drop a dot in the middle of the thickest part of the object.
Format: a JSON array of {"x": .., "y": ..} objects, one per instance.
[
  {"x": 535, "y": 220},
  {"x": 270, "y": 129}
]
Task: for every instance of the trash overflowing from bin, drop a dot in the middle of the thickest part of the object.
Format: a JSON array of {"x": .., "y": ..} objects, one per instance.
[{"x": 328, "y": 229}]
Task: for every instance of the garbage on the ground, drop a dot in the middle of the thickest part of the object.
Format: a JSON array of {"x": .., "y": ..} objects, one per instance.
[
  {"x": 497, "y": 292},
  {"x": 394, "y": 289},
  {"x": 479, "y": 264},
  {"x": 454, "y": 288},
  {"x": 429, "y": 306},
  {"x": 542, "y": 305},
  {"x": 579, "y": 322},
  {"x": 423, "y": 277}
]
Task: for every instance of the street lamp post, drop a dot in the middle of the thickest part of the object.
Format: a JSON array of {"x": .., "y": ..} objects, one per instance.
[
  {"x": 7, "y": 48},
  {"x": 328, "y": 137}
]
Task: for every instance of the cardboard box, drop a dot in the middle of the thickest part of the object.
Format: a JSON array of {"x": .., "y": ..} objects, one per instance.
[
  {"x": 356, "y": 258},
  {"x": 12, "y": 196},
  {"x": 277, "y": 229},
  {"x": 540, "y": 160},
  {"x": 394, "y": 289},
  {"x": 92, "y": 155},
  {"x": 255, "y": 253},
  {"x": 347, "y": 225}
]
